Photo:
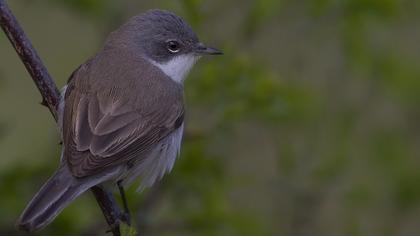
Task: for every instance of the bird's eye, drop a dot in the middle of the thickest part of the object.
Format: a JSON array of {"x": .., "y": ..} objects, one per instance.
[{"x": 173, "y": 46}]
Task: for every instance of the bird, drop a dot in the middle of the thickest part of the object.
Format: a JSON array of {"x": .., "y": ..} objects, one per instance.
[{"x": 121, "y": 114}]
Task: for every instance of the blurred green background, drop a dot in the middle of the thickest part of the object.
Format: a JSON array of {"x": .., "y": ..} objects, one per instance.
[{"x": 308, "y": 125}]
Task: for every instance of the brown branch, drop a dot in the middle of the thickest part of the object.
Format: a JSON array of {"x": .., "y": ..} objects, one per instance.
[
  {"x": 30, "y": 58},
  {"x": 50, "y": 98},
  {"x": 109, "y": 207}
]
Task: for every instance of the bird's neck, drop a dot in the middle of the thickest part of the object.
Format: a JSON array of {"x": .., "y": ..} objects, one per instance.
[{"x": 178, "y": 67}]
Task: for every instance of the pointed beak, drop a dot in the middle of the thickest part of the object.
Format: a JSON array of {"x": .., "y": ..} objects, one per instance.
[{"x": 202, "y": 49}]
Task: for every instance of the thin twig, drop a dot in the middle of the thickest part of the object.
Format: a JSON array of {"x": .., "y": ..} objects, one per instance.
[
  {"x": 109, "y": 207},
  {"x": 50, "y": 98},
  {"x": 30, "y": 59}
]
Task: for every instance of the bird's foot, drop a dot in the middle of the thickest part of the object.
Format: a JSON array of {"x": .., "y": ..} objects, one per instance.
[
  {"x": 125, "y": 218},
  {"x": 114, "y": 228}
]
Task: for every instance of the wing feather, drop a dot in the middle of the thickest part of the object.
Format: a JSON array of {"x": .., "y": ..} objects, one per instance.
[{"x": 105, "y": 126}]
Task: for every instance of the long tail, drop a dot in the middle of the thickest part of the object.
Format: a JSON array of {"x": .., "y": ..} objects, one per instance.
[{"x": 61, "y": 189}]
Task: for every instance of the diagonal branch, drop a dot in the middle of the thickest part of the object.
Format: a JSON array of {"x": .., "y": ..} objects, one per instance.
[
  {"x": 50, "y": 98},
  {"x": 30, "y": 59}
]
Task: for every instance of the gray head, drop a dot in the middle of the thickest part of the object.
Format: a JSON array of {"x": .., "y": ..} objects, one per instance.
[{"x": 164, "y": 39}]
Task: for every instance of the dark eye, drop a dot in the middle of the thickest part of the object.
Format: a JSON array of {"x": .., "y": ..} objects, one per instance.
[{"x": 173, "y": 46}]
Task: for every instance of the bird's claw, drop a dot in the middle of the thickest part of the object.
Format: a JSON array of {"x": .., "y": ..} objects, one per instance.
[
  {"x": 113, "y": 227},
  {"x": 125, "y": 218}
]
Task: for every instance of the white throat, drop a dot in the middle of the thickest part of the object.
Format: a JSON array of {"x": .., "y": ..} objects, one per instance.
[{"x": 178, "y": 67}]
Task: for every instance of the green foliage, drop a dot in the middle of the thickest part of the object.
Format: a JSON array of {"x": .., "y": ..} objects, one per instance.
[
  {"x": 91, "y": 7},
  {"x": 260, "y": 13},
  {"x": 127, "y": 230},
  {"x": 308, "y": 125}
]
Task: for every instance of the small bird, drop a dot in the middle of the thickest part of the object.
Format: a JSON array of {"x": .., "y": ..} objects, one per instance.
[{"x": 121, "y": 114}]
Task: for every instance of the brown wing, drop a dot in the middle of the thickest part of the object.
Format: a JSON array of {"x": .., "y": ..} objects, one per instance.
[{"x": 109, "y": 124}]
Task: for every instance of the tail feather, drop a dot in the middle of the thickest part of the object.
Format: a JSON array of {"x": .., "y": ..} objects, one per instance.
[{"x": 51, "y": 199}]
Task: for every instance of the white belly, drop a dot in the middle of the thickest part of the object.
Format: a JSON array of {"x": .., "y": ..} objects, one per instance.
[{"x": 159, "y": 161}]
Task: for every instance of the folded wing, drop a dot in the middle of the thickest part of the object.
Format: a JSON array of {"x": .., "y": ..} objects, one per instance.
[{"x": 107, "y": 125}]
